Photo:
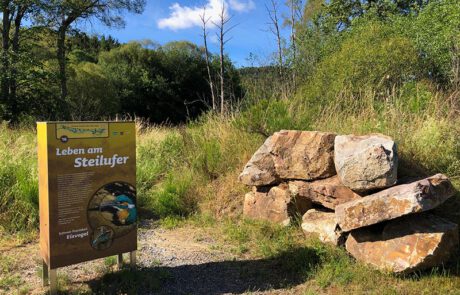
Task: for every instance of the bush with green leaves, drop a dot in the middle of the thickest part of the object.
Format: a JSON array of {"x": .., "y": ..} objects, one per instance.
[
  {"x": 436, "y": 33},
  {"x": 164, "y": 84},
  {"x": 372, "y": 56},
  {"x": 270, "y": 115},
  {"x": 91, "y": 93}
]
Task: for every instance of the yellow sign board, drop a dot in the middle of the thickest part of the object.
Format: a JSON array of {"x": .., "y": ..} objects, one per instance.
[{"x": 87, "y": 181}]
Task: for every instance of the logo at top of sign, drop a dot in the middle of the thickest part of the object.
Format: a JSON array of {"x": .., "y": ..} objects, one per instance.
[{"x": 82, "y": 130}]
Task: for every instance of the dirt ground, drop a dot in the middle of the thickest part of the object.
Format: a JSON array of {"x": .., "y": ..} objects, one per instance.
[{"x": 185, "y": 260}]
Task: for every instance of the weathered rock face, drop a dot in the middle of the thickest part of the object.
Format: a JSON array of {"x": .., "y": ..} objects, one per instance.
[
  {"x": 328, "y": 192},
  {"x": 367, "y": 162},
  {"x": 323, "y": 225},
  {"x": 260, "y": 170},
  {"x": 406, "y": 244},
  {"x": 306, "y": 155},
  {"x": 418, "y": 196},
  {"x": 276, "y": 206}
]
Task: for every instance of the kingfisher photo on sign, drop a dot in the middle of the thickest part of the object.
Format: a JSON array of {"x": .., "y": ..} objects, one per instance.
[{"x": 87, "y": 183}]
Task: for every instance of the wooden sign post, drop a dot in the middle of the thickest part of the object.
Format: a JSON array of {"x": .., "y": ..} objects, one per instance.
[{"x": 87, "y": 183}]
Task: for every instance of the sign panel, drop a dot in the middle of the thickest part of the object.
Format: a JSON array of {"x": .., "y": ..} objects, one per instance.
[{"x": 87, "y": 181}]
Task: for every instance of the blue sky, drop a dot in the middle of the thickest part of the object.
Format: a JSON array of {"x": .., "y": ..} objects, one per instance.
[{"x": 170, "y": 20}]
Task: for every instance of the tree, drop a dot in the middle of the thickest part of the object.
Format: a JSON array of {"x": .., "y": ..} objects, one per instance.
[
  {"x": 13, "y": 13},
  {"x": 436, "y": 33},
  {"x": 221, "y": 25},
  {"x": 62, "y": 14},
  {"x": 91, "y": 95},
  {"x": 158, "y": 84},
  {"x": 204, "y": 22},
  {"x": 275, "y": 29},
  {"x": 6, "y": 25},
  {"x": 295, "y": 16},
  {"x": 343, "y": 12}
]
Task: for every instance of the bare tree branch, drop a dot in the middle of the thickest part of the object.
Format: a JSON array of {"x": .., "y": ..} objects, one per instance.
[
  {"x": 221, "y": 25},
  {"x": 274, "y": 26},
  {"x": 204, "y": 22}
]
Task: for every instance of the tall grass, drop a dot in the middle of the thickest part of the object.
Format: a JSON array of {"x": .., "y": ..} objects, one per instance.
[
  {"x": 18, "y": 180},
  {"x": 427, "y": 135},
  {"x": 178, "y": 173},
  {"x": 424, "y": 122},
  {"x": 194, "y": 168}
]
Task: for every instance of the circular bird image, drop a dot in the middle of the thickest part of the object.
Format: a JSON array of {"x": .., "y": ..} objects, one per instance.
[
  {"x": 102, "y": 238},
  {"x": 114, "y": 206},
  {"x": 120, "y": 210}
]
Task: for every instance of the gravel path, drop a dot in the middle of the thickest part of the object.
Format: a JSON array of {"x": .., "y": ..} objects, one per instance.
[
  {"x": 188, "y": 256},
  {"x": 186, "y": 260}
]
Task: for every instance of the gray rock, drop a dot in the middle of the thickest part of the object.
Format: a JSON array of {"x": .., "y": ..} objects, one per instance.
[{"x": 367, "y": 162}]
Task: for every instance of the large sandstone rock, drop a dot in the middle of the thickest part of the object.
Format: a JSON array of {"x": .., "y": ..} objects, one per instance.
[
  {"x": 367, "y": 162},
  {"x": 277, "y": 205},
  {"x": 291, "y": 154},
  {"x": 406, "y": 244},
  {"x": 418, "y": 196},
  {"x": 328, "y": 192},
  {"x": 323, "y": 225},
  {"x": 304, "y": 155},
  {"x": 260, "y": 170}
]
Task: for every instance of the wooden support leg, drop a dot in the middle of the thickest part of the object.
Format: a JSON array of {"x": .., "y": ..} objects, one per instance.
[
  {"x": 120, "y": 261},
  {"x": 53, "y": 281},
  {"x": 132, "y": 259},
  {"x": 45, "y": 275}
]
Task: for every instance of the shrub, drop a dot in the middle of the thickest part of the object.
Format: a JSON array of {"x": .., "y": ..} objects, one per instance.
[
  {"x": 268, "y": 116},
  {"x": 372, "y": 56},
  {"x": 436, "y": 33},
  {"x": 91, "y": 94}
]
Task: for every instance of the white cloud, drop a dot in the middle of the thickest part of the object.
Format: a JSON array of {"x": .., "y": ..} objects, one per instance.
[
  {"x": 242, "y": 6},
  {"x": 184, "y": 17}
]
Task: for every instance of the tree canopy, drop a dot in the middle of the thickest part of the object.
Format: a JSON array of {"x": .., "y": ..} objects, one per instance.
[{"x": 51, "y": 70}]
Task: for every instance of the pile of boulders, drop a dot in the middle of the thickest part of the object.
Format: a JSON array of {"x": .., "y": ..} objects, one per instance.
[{"x": 346, "y": 190}]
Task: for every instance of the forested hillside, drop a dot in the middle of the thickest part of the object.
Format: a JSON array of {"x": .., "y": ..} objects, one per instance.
[{"x": 98, "y": 78}]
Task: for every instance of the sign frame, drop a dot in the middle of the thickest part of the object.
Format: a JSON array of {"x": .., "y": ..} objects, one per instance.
[{"x": 87, "y": 190}]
